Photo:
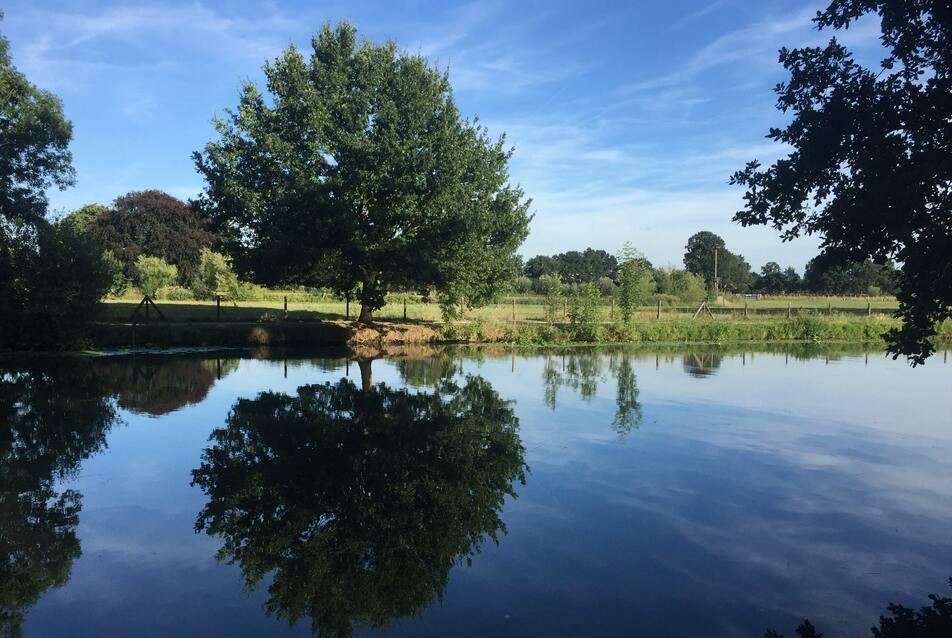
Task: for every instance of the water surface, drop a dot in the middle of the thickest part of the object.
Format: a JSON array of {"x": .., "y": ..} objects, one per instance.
[{"x": 471, "y": 492}]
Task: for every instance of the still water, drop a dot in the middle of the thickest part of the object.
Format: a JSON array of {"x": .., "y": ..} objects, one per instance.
[{"x": 477, "y": 492}]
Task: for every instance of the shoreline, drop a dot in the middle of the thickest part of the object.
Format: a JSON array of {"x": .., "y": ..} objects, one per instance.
[{"x": 384, "y": 334}]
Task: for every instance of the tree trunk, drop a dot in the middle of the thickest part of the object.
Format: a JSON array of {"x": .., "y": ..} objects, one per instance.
[
  {"x": 366, "y": 314},
  {"x": 366, "y": 375},
  {"x": 367, "y": 298}
]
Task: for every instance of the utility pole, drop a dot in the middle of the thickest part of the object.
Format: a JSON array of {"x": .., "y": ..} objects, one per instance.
[{"x": 715, "y": 274}]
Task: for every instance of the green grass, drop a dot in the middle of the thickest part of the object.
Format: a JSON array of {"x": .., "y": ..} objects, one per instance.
[{"x": 311, "y": 307}]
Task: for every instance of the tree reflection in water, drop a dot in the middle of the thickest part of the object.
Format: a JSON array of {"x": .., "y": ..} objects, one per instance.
[
  {"x": 359, "y": 500},
  {"x": 156, "y": 385},
  {"x": 53, "y": 415},
  {"x": 582, "y": 371}
]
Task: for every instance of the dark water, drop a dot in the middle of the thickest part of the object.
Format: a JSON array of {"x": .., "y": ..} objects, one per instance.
[{"x": 471, "y": 493}]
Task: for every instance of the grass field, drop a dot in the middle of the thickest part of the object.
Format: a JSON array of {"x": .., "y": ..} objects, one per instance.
[{"x": 303, "y": 307}]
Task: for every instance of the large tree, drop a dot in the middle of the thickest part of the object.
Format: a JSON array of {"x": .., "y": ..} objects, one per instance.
[
  {"x": 155, "y": 224},
  {"x": 589, "y": 265},
  {"x": 358, "y": 171},
  {"x": 34, "y": 146},
  {"x": 830, "y": 274},
  {"x": 870, "y": 170},
  {"x": 51, "y": 279},
  {"x": 733, "y": 272}
]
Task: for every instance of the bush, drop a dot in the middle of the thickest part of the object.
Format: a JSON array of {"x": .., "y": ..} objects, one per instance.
[
  {"x": 634, "y": 285},
  {"x": 119, "y": 282},
  {"x": 214, "y": 276},
  {"x": 606, "y": 286},
  {"x": 51, "y": 283},
  {"x": 583, "y": 313},
  {"x": 551, "y": 287},
  {"x": 176, "y": 293},
  {"x": 521, "y": 285},
  {"x": 153, "y": 273}
]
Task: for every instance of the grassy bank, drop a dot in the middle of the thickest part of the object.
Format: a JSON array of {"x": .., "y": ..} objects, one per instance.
[{"x": 674, "y": 330}]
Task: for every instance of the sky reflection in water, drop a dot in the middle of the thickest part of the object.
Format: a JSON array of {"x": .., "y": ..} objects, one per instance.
[{"x": 675, "y": 494}]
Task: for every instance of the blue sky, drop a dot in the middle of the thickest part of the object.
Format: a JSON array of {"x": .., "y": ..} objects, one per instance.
[{"x": 627, "y": 117}]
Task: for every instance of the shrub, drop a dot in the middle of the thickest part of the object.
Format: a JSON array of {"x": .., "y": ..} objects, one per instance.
[
  {"x": 606, "y": 286},
  {"x": 153, "y": 273},
  {"x": 51, "y": 283},
  {"x": 688, "y": 286},
  {"x": 214, "y": 276},
  {"x": 117, "y": 275},
  {"x": 583, "y": 313},
  {"x": 635, "y": 283},
  {"x": 551, "y": 287},
  {"x": 176, "y": 293},
  {"x": 521, "y": 285}
]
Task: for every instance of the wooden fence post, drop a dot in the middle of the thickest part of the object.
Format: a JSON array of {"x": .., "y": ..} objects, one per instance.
[
  {"x": 217, "y": 307},
  {"x": 745, "y": 308},
  {"x": 404, "y": 308},
  {"x": 869, "y": 309},
  {"x": 659, "y": 310},
  {"x": 285, "y": 306},
  {"x": 788, "y": 310},
  {"x": 829, "y": 308}
]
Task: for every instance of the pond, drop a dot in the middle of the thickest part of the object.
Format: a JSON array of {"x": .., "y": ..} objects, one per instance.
[{"x": 471, "y": 492}]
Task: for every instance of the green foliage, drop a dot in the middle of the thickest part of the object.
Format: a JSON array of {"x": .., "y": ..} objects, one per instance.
[
  {"x": 34, "y": 145},
  {"x": 583, "y": 313},
  {"x": 51, "y": 284},
  {"x": 866, "y": 170},
  {"x": 733, "y": 273},
  {"x": 606, "y": 286},
  {"x": 152, "y": 273},
  {"x": 681, "y": 284},
  {"x": 830, "y": 273},
  {"x": 551, "y": 287},
  {"x": 214, "y": 276},
  {"x": 356, "y": 502},
  {"x": 358, "y": 168},
  {"x": 635, "y": 283},
  {"x": 175, "y": 293},
  {"x": 82, "y": 217},
  {"x": 119, "y": 283},
  {"x": 51, "y": 279},
  {"x": 541, "y": 265},
  {"x": 574, "y": 267},
  {"x": 521, "y": 285},
  {"x": 152, "y": 223}
]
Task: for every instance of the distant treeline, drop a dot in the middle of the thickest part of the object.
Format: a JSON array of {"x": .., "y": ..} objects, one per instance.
[{"x": 826, "y": 274}]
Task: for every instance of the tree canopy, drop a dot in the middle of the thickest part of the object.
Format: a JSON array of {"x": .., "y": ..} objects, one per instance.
[
  {"x": 869, "y": 169},
  {"x": 154, "y": 224},
  {"x": 574, "y": 267},
  {"x": 356, "y": 170},
  {"x": 34, "y": 145},
  {"x": 829, "y": 274},
  {"x": 51, "y": 278},
  {"x": 733, "y": 272}
]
